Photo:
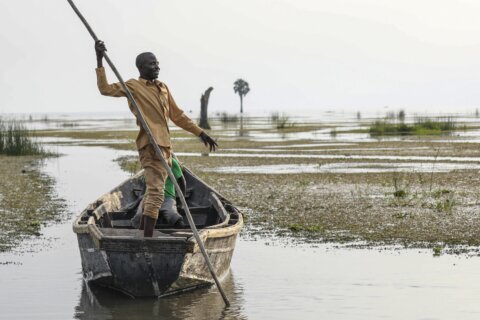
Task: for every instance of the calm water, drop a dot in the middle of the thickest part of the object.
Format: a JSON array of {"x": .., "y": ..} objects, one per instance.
[{"x": 270, "y": 279}]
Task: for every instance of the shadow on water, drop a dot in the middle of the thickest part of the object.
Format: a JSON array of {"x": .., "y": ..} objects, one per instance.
[{"x": 102, "y": 304}]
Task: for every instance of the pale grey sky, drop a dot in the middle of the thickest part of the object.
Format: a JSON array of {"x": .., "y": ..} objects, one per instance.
[{"x": 298, "y": 55}]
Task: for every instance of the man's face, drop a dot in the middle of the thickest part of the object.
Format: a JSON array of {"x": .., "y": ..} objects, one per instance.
[{"x": 149, "y": 69}]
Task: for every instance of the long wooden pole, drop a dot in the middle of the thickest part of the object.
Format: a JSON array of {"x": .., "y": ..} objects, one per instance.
[{"x": 159, "y": 155}]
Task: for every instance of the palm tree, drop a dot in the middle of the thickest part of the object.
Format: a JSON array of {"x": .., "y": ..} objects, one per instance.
[{"x": 241, "y": 87}]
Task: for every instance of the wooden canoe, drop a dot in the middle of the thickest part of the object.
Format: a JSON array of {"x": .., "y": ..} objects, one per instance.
[{"x": 117, "y": 256}]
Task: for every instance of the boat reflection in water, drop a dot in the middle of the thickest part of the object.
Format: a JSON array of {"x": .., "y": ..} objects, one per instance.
[{"x": 99, "y": 303}]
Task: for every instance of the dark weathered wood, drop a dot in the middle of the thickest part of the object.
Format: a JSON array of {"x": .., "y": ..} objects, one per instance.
[
  {"x": 219, "y": 206},
  {"x": 204, "y": 109},
  {"x": 158, "y": 152}
]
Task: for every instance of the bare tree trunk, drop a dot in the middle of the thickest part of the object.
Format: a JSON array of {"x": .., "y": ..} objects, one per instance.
[
  {"x": 204, "y": 109},
  {"x": 241, "y": 104}
]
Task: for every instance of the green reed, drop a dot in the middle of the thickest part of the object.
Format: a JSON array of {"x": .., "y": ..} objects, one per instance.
[{"x": 17, "y": 140}]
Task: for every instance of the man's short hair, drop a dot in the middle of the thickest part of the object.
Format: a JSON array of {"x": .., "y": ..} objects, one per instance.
[{"x": 141, "y": 58}]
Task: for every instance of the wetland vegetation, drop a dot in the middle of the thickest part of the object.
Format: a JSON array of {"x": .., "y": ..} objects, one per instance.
[
  {"x": 17, "y": 140},
  {"x": 420, "y": 126},
  {"x": 27, "y": 197},
  {"x": 414, "y": 190}
]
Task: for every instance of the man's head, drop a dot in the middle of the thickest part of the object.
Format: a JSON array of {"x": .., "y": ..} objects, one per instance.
[{"x": 147, "y": 65}]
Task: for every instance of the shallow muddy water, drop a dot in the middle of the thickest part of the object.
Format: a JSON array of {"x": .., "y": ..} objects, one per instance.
[
  {"x": 346, "y": 167},
  {"x": 329, "y": 156},
  {"x": 270, "y": 278}
]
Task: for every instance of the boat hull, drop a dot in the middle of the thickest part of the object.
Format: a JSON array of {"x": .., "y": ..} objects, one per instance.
[
  {"x": 117, "y": 256},
  {"x": 143, "y": 268}
]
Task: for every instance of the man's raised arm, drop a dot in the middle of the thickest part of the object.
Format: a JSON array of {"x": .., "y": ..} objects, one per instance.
[{"x": 106, "y": 89}]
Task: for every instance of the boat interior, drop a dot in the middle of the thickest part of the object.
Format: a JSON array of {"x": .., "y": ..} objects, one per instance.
[{"x": 209, "y": 209}]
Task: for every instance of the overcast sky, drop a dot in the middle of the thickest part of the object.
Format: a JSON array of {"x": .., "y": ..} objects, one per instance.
[{"x": 297, "y": 55}]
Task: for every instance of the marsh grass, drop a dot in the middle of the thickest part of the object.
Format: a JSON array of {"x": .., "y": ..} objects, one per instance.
[
  {"x": 400, "y": 185},
  {"x": 405, "y": 194},
  {"x": 437, "y": 251},
  {"x": 421, "y": 126},
  {"x": 17, "y": 140},
  {"x": 282, "y": 121}
]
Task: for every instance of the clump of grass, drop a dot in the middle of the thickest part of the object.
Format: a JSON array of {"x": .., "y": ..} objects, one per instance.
[
  {"x": 446, "y": 205},
  {"x": 384, "y": 127},
  {"x": 437, "y": 251},
  {"x": 421, "y": 126},
  {"x": 399, "y": 185},
  {"x": 400, "y": 194},
  {"x": 400, "y": 215},
  {"x": 441, "y": 125},
  {"x": 283, "y": 122},
  {"x": 17, "y": 140},
  {"x": 437, "y": 194}
]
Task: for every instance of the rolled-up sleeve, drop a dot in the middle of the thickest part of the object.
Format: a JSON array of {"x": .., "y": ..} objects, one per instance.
[
  {"x": 106, "y": 89},
  {"x": 180, "y": 118}
]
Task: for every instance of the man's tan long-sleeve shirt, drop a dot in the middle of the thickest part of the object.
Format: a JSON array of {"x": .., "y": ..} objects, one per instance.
[{"x": 156, "y": 103}]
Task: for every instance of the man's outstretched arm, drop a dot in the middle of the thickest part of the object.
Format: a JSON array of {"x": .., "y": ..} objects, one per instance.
[{"x": 183, "y": 121}]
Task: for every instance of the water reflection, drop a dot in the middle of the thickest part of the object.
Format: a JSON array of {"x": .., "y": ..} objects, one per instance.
[
  {"x": 242, "y": 132},
  {"x": 102, "y": 304}
]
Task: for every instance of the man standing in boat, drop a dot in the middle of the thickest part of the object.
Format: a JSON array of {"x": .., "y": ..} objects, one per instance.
[{"x": 157, "y": 105}]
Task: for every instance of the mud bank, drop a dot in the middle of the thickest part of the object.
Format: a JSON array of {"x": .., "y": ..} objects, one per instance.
[{"x": 28, "y": 200}]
